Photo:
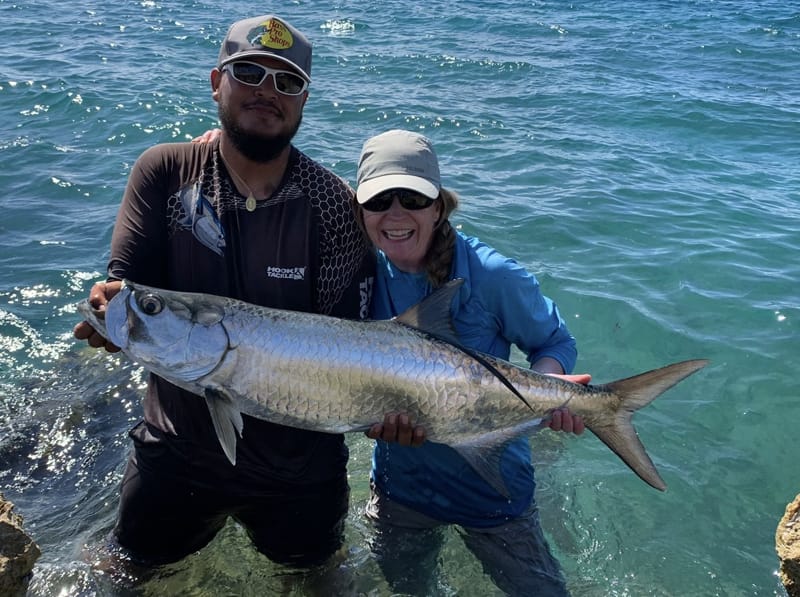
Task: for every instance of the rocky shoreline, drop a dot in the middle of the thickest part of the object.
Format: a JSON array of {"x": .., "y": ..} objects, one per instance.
[
  {"x": 787, "y": 544},
  {"x": 18, "y": 552}
]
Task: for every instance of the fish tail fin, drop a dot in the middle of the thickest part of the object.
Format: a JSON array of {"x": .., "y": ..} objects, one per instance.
[{"x": 616, "y": 430}]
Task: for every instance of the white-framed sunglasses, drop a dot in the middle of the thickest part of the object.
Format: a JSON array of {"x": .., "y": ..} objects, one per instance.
[{"x": 254, "y": 75}]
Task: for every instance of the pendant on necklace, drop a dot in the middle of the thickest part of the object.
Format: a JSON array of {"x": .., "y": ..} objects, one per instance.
[{"x": 250, "y": 203}]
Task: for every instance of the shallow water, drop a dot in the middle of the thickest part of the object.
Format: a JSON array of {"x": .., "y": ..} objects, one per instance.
[{"x": 639, "y": 157}]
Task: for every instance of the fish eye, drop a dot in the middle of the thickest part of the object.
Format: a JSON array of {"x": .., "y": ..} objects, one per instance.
[{"x": 151, "y": 304}]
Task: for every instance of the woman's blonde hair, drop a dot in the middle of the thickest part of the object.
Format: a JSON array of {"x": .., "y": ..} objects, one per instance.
[{"x": 439, "y": 258}]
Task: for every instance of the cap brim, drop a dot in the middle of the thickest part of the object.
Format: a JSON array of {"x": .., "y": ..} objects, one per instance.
[
  {"x": 369, "y": 188},
  {"x": 262, "y": 54}
]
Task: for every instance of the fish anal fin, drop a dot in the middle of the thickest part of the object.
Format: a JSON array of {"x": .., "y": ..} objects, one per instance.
[
  {"x": 485, "y": 458},
  {"x": 486, "y": 462},
  {"x": 227, "y": 421}
]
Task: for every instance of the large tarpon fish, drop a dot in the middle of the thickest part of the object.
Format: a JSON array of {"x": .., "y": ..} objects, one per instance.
[{"x": 334, "y": 375}]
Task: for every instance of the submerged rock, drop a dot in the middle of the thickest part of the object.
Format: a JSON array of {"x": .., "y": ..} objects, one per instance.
[
  {"x": 787, "y": 544},
  {"x": 18, "y": 552}
]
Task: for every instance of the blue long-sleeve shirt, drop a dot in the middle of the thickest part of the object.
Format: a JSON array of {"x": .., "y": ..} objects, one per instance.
[{"x": 499, "y": 304}]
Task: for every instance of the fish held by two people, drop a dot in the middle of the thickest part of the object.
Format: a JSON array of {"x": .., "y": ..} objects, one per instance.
[{"x": 334, "y": 375}]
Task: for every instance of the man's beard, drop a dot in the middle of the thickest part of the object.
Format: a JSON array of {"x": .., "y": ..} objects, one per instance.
[{"x": 255, "y": 147}]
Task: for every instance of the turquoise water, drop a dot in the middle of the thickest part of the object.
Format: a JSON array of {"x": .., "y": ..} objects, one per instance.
[{"x": 640, "y": 157}]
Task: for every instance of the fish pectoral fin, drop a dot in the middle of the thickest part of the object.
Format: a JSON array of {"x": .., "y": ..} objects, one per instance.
[
  {"x": 486, "y": 462},
  {"x": 227, "y": 421}
]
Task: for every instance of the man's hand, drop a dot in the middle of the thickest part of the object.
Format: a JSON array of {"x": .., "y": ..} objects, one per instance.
[
  {"x": 99, "y": 295},
  {"x": 398, "y": 428}
]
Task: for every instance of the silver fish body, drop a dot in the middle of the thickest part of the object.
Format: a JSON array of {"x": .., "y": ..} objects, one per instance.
[{"x": 334, "y": 375}]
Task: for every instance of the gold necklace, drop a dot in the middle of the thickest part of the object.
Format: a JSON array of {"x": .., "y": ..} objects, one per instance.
[{"x": 250, "y": 202}]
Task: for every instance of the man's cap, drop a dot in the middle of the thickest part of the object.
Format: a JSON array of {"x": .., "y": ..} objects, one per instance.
[
  {"x": 267, "y": 36},
  {"x": 397, "y": 159}
]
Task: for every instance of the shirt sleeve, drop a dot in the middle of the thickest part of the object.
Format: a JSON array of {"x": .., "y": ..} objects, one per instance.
[
  {"x": 347, "y": 263},
  {"x": 138, "y": 243},
  {"x": 524, "y": 315}
]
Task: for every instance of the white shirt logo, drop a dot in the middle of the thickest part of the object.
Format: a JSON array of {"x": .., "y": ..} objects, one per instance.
[{"x": 287, "y": 273}]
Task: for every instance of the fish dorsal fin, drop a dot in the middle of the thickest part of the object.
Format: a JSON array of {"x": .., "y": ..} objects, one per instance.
[{"x": 432, "y": 316}]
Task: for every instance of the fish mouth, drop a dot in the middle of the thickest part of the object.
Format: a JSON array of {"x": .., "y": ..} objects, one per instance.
[{"x": 95, "y": 317}]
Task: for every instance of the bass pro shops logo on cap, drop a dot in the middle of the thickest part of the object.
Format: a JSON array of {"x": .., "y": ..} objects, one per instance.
[
  {"x": 267, "y": 36},
  {"x": 271, "y": 34}
]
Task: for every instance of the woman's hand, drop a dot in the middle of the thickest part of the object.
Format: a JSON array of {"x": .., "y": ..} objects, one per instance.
[
  {"x": 398, "y": 428},
  {"x": 208, "y": 136},
  {"x": 561, "y": 419}
]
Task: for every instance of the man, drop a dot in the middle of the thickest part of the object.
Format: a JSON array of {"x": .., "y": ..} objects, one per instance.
[{"x": 251, "y": 217}]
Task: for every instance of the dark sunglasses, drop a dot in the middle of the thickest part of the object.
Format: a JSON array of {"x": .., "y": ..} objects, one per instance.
[
  {"x": 254, "y": 74},
  {"x": 408, "y": 200}
]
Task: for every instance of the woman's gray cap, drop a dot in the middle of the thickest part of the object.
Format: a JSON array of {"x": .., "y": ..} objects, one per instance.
[
  {"x": 397, "y": 159},
  {"x": 267, "y": 36}
]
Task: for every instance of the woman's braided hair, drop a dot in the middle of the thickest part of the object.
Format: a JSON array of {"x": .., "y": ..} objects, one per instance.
[{"x": 439, "y": 258}]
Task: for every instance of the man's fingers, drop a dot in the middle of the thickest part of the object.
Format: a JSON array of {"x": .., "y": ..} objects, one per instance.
[
  {"x": 97, "y": 296},
  {"x": 96, "y": 341},
  {"x": 102, "y": 292},
  {"x": 82, "y": 331}
]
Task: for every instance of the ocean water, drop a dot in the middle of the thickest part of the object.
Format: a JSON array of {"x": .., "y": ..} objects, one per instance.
[{"x": 640, "y": 157}]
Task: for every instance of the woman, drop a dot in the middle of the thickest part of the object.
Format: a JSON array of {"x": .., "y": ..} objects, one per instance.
[{"x": 419, "y": 487}]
